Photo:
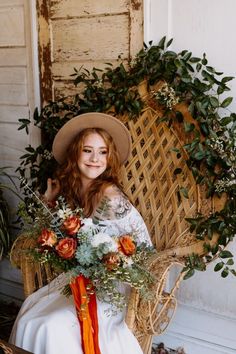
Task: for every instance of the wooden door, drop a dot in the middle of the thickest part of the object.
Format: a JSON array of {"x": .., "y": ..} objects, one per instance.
[{"x": 86, "y": 32}]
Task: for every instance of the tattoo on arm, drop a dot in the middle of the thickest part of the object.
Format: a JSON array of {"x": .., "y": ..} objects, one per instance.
[{"x": 112, "y": 207}]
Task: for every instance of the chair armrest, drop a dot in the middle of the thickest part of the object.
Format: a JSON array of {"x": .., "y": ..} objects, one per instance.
[{"x": 34, "y": 274}]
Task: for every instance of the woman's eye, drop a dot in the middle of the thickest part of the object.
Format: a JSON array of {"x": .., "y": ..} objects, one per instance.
[
  {"x": 86, "y": 150},
  {"x": 103, "y": 152}
]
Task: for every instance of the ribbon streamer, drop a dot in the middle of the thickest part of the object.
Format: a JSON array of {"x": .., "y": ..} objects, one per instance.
[{"x": 86, "y": 308}]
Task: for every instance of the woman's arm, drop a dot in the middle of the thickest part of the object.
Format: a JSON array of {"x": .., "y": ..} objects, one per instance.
[{"x": 120, "y": 216}]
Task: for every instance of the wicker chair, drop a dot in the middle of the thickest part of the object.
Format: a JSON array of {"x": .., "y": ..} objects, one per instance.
[
  {"x": 7, "y": 348},
  {"x": 150, "y": 182}
]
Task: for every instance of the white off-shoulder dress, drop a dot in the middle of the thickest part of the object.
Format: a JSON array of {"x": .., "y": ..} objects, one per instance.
[{"x": 47, "y": 322}]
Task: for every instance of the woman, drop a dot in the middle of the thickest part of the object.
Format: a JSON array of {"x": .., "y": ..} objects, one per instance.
[{"x": 90, "y": 149}]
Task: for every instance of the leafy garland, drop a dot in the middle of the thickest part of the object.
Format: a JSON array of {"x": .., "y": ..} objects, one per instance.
[{"x": 211, "y": 150}]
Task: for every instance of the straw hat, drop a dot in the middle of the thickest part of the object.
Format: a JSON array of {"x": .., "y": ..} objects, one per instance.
[{"x": 74, "y": 126}]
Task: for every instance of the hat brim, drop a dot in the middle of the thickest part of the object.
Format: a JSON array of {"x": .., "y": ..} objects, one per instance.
[{"x": 115, "y": 128}]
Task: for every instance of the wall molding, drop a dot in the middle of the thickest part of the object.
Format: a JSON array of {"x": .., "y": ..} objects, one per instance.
[{"x": 199, "y": 331}]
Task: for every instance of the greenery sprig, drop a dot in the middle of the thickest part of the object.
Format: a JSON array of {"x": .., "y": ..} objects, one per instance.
[{"x": 211, "y": 146}]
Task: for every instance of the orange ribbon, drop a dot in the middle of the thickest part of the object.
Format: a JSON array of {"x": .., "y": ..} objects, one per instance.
[{"x": 86, "y": 308}]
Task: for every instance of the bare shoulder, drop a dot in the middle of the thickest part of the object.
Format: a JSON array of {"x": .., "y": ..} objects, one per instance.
[
  {"x": 112, "y": 192},
  {"x": 113, "y": 205}
]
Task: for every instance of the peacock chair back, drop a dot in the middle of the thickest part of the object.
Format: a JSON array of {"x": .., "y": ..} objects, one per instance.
[{"x": 151, "y": 181}]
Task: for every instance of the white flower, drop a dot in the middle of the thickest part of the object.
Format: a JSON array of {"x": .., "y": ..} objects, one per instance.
[
  {"x": 88, "y": 225},
  {"x": 101, "y": 237},
  {"x": 64, "y": 213},
  {"x": 48, "y": 155},
  {"x": 128, "y": 262},
  {"x": 88, "y": 222},
  {"x": 166, "y": 95}
]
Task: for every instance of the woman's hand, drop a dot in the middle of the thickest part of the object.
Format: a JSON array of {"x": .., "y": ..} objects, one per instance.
[{"x": 53, "y": 190}]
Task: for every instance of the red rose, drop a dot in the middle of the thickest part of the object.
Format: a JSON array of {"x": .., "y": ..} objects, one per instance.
[
  {"x": 47, "y": 238},
  {"x": 66, "y": 247},
  {"x": 127, "y": 245},
  {"x": 72, "y": 224}
]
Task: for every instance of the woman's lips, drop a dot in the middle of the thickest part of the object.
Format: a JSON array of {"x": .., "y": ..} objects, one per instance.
[{"x": 92, "y": 166}]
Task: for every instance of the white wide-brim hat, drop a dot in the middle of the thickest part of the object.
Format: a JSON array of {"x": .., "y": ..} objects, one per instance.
[{"x": 115, "y": 128}]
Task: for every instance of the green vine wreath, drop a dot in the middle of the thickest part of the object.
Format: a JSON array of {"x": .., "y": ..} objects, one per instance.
[{"x": 211, "y": 147}]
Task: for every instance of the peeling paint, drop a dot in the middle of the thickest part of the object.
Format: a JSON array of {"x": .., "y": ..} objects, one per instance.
[
  {"x": 43, "y": 31},
  {"x": 44, "y": 51},
  {"x": 136, "y": 4},
  {"x": 46, "y": 82}
]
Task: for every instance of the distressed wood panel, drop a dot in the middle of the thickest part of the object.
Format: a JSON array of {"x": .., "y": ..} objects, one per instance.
[
  {"x": 13, "y": 56},
  {"x": 63, "y": 70},
  {"x": 11, "y": 114},
  {"x": 136, "y": 27},
  {"x": 72, "y": 8},
  {"x": 14, "y": 75},
  {"x": 44, "y": 36},
  {"x": 63, "y": 89},
  {"x": 11, "y": 94},
  {"x": 85, "y": 32},
  {"x": 12, "y": 26},
  {"x": 100, "y": 38}
]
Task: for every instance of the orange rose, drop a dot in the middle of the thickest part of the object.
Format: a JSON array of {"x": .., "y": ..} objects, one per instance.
[
  {"x": 127, "y": 245},
  {"x": 47, "y": 238},
  {"x": 66, "y": 247},
  {"x": 72, "y": 224},
  {"x": 111, "y": 260}
]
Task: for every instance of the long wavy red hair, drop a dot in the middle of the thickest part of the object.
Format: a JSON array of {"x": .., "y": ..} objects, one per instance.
[{"x": 69, "y": 174}]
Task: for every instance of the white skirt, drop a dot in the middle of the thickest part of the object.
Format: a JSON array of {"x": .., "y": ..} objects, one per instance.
[{"x": 47, "y": 324}]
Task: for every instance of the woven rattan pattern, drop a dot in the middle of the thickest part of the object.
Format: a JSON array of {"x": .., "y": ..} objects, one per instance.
[
  {"x": 153, "y": 187},
  {"x": 5, "y": 348}
]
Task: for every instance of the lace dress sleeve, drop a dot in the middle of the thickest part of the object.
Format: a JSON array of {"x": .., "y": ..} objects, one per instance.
[{"x": 118, "y": 216}]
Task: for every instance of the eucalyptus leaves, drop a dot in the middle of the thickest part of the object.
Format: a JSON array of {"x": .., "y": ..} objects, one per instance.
[{"x": 211, "y": 147}]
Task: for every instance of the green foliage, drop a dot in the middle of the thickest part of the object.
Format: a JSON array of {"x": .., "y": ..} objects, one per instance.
[
  {"x": 39, "y": 161},
  {"x": 193, "y": 262},
  {"x": 5, "y": 236},
  {"x": 211, "y": 147}
]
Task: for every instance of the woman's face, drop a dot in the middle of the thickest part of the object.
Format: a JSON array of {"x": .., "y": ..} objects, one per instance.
[{"x": 93, "y": 158}]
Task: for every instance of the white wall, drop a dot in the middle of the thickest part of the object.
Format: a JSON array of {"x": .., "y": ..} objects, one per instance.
[
  {"x": 198, "y": 26},
  {"x": 205, "y": 321}
]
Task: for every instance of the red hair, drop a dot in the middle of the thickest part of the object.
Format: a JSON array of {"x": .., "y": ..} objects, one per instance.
[{"x": 69, "y": 174}]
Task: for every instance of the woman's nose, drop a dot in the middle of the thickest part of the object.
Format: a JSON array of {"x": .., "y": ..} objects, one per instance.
[{"x": 94, "y": 157}]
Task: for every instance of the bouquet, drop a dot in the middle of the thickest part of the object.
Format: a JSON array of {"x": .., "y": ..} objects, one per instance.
[{"x": 78, "y": 245}]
